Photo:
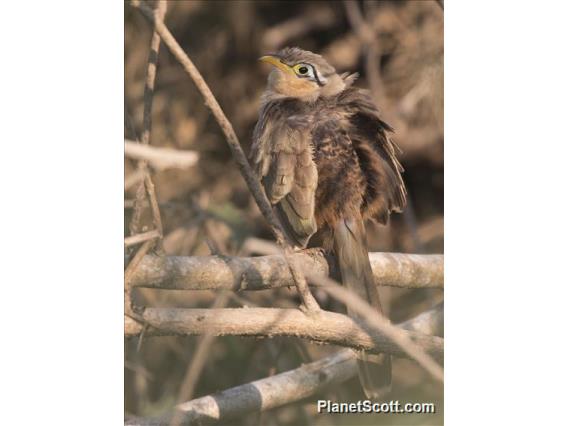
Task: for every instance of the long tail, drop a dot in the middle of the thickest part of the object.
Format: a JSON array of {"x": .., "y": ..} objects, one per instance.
[{"x": 350, "y": 246}]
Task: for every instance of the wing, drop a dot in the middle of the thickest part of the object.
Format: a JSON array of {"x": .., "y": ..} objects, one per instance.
[
  {"x": 282, "y": 155},
  {"x": 385, "y": 190}
]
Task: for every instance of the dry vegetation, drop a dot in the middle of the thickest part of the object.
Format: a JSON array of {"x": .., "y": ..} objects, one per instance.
[{"x": 202, "y": 205}]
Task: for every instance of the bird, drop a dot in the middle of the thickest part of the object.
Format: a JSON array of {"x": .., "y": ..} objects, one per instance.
[{"x": 327, "y": 164}]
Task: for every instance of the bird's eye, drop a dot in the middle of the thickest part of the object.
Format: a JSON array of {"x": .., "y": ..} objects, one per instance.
[{"x": 301, "y": 69}]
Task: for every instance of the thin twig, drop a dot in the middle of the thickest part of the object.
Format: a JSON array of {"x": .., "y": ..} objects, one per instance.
[
  {"x": 250, "y": 178},
  {"x": 160, "y": 158},
  {"x": 140, "y": 238},
  {"x": 147, "y": 183}
]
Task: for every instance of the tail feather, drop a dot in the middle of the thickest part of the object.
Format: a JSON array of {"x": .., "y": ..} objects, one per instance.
[{"x": 350, "y": 247}]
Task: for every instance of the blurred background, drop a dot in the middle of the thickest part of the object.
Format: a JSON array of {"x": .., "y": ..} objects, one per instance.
[{"x": 397, "y": 47}]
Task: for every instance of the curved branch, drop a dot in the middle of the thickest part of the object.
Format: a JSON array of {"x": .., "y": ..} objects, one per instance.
[
  {"x": 265, "y": 272},
  {"x": 325, "y": 327}
]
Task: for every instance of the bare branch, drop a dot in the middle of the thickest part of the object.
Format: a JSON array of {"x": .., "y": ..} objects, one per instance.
[
  {"x": 265, "y": 272},
  {"x": 147, "y": 183},
  {"x": 278, "y": 390},
  {"x": 325, "y": 327},
  {"x": 250, "y": 178},
  {"x": 140, "y": 238},
  {"x": 160, "y": 158}
]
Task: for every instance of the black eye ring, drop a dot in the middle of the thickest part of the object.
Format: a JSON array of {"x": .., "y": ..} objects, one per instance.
[{"x": 303, "y": 70}]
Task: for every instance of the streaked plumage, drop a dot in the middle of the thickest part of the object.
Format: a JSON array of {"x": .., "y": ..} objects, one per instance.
[{"x": 327, "y": 164}]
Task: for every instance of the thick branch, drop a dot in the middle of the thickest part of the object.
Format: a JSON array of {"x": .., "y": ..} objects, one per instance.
[
  {"x": 265, "y": 272},
  {"x": 325, "y": 327},
  {"x": 278, "y": 390}
]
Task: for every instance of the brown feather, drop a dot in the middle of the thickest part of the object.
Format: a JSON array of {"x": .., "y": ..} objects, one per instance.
[{"x": 327, "y": 164}]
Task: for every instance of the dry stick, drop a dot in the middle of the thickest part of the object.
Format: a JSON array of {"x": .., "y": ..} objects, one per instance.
[
  {"x": 328, "y": 328},
  {"x": 159, "y": 13},
  {"x": 160, "y": 158},
  {"x": 137, "y": 176},
  {"x": 275, "y": 391},
  {"x": 147, "y": 126},
  {"x": 309, "y": 303},
  {"x": 140, "y": 238},
  {"x": 268, "y": 272},
  {"x": 198, "y": 361}
]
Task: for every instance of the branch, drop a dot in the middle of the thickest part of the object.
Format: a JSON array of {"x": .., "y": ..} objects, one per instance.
[
  {"x": 265, "y": 272},
  {"x": 250, "y": 178},
  {"x": 147, "y": 185},
  {"x": 278, "y": 390},
  {"x": 140, "y": 238},
  {"x": 160, "y": 158},
  {"x": 325, "y": 327}
]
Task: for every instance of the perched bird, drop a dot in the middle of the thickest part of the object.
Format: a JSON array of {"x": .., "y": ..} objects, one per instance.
[{"x": 326, "y": 162}]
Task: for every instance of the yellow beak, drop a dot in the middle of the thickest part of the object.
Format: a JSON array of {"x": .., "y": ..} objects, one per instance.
[{"x": 275, "y": 61}]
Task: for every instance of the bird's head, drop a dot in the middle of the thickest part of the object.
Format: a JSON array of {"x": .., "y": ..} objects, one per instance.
[{"x": 302, "y": 74}]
